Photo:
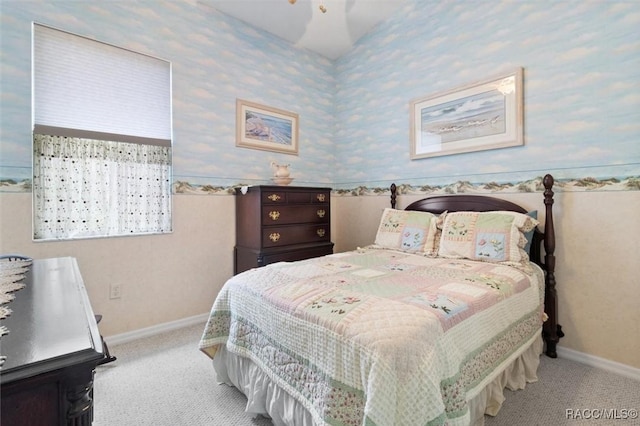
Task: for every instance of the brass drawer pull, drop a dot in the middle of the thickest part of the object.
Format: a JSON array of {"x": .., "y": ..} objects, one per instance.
[
  {"x": 274, "y": 215},
  {"x": 274, "y": 237},
  {"x": 320, "y": 232},
  {"x": 320, "y": 197},
  {"x": 321, "y": 213},
  {"x": 274, "y": 197}
]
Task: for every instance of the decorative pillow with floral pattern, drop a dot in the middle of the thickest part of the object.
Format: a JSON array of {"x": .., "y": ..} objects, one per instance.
[
  {"x": 410, "y": 231},
  {"x": 486, "y": 236}
]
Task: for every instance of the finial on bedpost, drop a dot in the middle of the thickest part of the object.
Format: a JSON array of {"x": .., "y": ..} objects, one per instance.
[
  {"x": 552, "y": 330},
  {"x": 393, "y": 195}
]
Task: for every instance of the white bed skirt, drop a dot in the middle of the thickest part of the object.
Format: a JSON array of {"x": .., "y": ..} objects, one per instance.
[{"x": 266, "y": 398}]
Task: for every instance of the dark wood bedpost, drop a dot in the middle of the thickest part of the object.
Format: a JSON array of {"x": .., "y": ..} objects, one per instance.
[
  {"x": 393, "y": 195},
  {"x": 552, "y": 331}
]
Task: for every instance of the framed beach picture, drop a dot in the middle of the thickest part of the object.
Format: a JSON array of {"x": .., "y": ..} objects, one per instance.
[
  {"x": 484, "y": 115},
  {"x": 262, "y": 127}
]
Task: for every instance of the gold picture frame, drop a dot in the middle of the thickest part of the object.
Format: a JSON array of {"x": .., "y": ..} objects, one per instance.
[
  {"x": 485, "y": 115},
  {"x": 266, "y": 128}
]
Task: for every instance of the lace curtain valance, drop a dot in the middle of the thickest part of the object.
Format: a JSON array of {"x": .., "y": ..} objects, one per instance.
[{"x": 92, "y": 188}]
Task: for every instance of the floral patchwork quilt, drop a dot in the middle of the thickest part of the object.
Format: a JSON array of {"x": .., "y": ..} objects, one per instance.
[{"x": 379, "y": 337}]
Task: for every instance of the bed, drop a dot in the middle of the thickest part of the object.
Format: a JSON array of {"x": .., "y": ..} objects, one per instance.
[{"x": 452, "y": 303}]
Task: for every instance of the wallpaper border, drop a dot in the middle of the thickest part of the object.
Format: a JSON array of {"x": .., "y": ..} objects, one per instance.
[{"x": 585, "y": 184}]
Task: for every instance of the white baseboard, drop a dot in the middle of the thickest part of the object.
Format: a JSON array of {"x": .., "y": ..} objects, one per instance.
[
  {"x": 118, "y": 339},
  {"x": 601, "y": 363}
]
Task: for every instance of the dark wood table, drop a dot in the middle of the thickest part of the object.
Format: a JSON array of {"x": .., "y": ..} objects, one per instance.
[{"x": 52, "y": 349}]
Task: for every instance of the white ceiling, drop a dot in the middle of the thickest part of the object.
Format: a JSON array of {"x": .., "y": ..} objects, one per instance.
[{"x": 330, "y": 34}]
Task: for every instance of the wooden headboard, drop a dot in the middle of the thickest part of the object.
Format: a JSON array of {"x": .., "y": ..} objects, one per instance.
[{"x": 552, "y": 331}]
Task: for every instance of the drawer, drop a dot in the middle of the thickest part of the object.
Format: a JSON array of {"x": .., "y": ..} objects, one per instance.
[
  {"x": 295, "y": 197},
  {"x": 274, "y": 197},
  {"x": 247, "y": 258},
  {"x": 274, "y": 236},
  {"x": 308, "y": 197},
  {"x": 282, "y": 215},
  {"x": 297, "y": 254}
]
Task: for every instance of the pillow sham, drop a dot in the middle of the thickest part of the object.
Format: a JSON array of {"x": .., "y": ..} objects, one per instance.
[
  {"x": 486, "y": 236},
  {"x": 529, "y": 234},
  {"x": 409, "y": 231}
]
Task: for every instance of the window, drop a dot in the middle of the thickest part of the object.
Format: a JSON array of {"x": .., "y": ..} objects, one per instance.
[{"x": 101, "y": 139}]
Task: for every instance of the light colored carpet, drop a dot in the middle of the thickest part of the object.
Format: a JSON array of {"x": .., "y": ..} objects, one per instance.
[{"x": 165, "y": 380}]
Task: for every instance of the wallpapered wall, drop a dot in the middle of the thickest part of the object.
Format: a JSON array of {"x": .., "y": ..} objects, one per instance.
[
  {"x": 215, "y": 59},
  {"x": 582, "y": 100},
  {"x": 581, "y": 89}
]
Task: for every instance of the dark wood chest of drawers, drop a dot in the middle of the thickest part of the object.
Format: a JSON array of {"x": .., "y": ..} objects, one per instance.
[
  {"x": 52, "y": 349},
  {"x": 278, "y": 223}
]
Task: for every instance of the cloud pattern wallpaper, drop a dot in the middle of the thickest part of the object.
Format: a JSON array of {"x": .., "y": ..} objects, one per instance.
[{"x": 581, "y": 63}]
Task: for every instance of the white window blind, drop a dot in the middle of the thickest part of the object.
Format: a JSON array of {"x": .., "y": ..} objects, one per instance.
[
  {"x": 102, "y": 139},
  {"x": 84, "y": 85}
]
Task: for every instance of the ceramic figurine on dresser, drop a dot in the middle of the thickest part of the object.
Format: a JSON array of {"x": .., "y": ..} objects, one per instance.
[{"x": 281, "y": 174}]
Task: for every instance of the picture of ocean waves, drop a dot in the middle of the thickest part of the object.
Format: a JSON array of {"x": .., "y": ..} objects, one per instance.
[
  {"x": 471, "y": 117},
  {"x": 268, "y": 128}
]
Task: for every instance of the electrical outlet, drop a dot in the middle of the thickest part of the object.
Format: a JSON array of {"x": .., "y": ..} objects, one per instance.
[{"x": 115, "y": 291}]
